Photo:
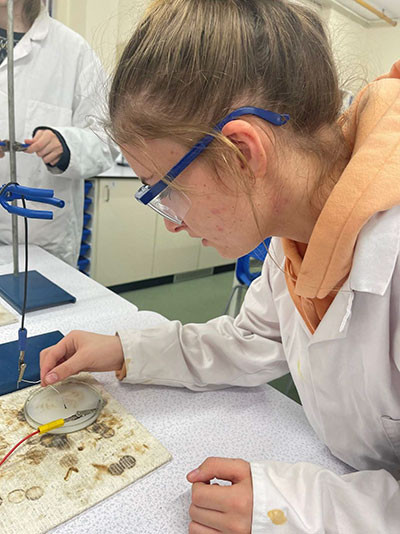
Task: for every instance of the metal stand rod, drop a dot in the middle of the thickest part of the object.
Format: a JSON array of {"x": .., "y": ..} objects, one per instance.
[{"x": 11, "y": 123}]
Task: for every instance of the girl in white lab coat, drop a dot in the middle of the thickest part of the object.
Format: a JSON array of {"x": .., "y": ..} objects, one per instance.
[
  {"x": 58, "y": 87},
  {"x": 257, "y": 79}
]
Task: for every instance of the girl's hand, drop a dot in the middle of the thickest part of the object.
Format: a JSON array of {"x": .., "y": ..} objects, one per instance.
[
  {"x": 225, "y": 509},
  {"x": 80, "y": 351},
  {"x": 46, "y": 145}
]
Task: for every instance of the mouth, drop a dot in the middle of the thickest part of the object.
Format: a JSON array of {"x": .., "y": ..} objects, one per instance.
[{"x": 193, "y": 236}]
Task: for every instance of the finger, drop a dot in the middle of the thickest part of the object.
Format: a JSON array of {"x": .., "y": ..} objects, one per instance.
[
  {"x": 211, "y": 496},
  {"x": 38, "y": 146},
  {"x": 54, "y": 155},
  {"x": 231, "y": 469},
  {"x": 51, "y": 146},
  {"x": 207, "y": 518},
  {"x": 72, "y": 366},
  {"x": 32, "y": 141},
  {"x": 196, "y": 528},
  {"x": 54, "y": 355}
]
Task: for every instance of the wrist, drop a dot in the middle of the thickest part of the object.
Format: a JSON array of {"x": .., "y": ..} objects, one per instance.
[{"x": 120, "y": 369}]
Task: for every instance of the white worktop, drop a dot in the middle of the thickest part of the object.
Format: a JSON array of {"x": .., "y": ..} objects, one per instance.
[
  {"x": 118, "y": 171},
  {"x": 250, "y": 423}
]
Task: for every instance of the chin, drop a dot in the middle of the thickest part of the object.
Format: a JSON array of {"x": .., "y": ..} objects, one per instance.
[{"x": 228, "y": 253}]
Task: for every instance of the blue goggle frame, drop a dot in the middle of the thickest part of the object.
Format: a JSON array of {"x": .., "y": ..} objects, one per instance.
[{"x": 147, "y": 193}]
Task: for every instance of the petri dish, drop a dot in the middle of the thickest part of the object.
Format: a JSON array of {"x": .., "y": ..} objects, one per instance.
[{"x": 48, "y": 404}]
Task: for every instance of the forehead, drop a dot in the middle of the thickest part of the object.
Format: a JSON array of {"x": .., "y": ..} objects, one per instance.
[{"x": 157, "y": 156}]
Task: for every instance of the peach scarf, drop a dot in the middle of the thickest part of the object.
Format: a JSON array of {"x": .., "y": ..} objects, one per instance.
[{"x": 370, "y": 183}]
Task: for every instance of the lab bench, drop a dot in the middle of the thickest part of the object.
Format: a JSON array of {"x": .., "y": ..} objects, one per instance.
[
  {"x": 130, "y": 243},
  {"x": 251, "y": 423}
]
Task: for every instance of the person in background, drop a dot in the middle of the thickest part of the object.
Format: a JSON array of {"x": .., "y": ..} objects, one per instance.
[
  {"x": 59, "y": 86},
  {"x": 327, "y": 304}
]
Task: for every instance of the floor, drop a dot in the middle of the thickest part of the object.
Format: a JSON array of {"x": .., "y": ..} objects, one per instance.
[{"x": 196, "y": 301}]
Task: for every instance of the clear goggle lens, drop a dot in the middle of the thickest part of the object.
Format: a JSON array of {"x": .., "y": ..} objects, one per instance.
[{"x": 171, "y": 204}]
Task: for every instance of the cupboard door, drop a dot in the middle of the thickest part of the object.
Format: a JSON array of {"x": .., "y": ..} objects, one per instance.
[
  {"x": 174, "y": 253},
  {"x": 209, "y": 257},
  {"x": 124, "y": 234}
]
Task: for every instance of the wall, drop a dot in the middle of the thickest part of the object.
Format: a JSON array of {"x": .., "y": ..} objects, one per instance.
[
  {"x": 362, "y": 52},
  {"x": 106, "y": 24},
  {"x": 384, "y": 46},
  {"x": 349, "y": 43}
]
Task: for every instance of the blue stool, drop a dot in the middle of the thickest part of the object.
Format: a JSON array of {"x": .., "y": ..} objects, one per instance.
[{"x": 244, "y": 276}]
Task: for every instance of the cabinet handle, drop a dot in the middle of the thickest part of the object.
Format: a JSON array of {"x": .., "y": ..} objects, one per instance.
[{"x": 107, "y": 193}]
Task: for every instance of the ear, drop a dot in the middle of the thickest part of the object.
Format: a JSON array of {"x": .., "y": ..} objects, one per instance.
[{"x": 254, "y": 144}]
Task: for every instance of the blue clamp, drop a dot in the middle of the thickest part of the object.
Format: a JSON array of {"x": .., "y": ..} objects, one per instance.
[
  {"x": 13, "y": 191},
  {"x": 18, "y": 147}
]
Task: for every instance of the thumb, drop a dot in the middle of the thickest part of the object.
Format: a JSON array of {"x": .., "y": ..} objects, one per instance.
[
  {"x": 64, "y": 370},
  {"x": 222, "y": 468}
]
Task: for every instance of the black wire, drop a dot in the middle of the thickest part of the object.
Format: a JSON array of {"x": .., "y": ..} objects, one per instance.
[
  {"x": 6, "y": 185},
  {"x": 26, "y": 266}
]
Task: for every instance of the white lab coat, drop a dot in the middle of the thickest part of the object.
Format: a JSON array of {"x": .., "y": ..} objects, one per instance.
[
  {"x": 59, "y": 82},
  {"x": 347, "y": 374}
]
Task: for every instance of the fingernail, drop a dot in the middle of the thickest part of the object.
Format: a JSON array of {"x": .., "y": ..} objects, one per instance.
[
  {"x": 193, "y": 473},
  {"x": 51, "y": 378}
]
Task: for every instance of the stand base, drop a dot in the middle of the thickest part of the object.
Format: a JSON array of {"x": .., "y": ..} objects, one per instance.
[
  {"x": 9, "y": 355},
  {"x": 42, "y": 293}
]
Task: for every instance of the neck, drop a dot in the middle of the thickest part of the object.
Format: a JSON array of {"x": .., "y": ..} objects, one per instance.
[
  {"x": 299, "y": 202},
  {"x": 19, "y": 24}
]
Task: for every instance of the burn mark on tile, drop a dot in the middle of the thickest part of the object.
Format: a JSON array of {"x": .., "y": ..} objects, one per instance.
[
  {"x": 21, "y": 415},
  {"x": 116, "y": 469},
  {"x": 127, "y": 462},
  {"x": 72, "y": 469},
  {"x": 101, "y": 470},
  {"x": 111, "y": 420},
  {"x": 141, "y": 449},
  {"x": 102, "y": 429},
  {"x": 69, "y": 460},
  {"x": 57, "y": 441},
  {"x": 34, "y": 493},
  {"x": 16, "y": 496},
  {"x": 3, "y": 444},
  {"x": 35, "y": 456}
]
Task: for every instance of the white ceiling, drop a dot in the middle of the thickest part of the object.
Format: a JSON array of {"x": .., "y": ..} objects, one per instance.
[{"x": 391, "y": 8}]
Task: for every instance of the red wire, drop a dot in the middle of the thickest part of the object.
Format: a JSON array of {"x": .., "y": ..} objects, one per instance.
[{"x": 17, "y": 445}]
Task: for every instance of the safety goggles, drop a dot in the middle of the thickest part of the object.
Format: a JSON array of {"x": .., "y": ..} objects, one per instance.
[{"x": 172, "y": 203}]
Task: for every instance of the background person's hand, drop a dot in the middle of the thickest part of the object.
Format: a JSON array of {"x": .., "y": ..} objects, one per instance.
[
  {"x": 1, "y": 151},
  {"x": 80, "y": 351},
  {"x": 46, "y": 145},
  {"x": 221, "y": 509}
]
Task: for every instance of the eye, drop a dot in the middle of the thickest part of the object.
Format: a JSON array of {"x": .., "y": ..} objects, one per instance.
[{"x": 166, "y": 194}]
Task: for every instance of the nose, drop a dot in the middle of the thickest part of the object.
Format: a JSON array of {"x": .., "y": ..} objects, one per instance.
[{"x": 173, "y": 227}]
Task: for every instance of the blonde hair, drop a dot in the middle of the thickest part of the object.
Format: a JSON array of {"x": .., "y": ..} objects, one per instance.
[{"x": 191, "y": 62}]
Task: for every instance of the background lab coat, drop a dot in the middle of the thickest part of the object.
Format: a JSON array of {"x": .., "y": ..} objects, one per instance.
[
  {"x": 347, "y": 374},
  {"x": 59, "y": 82}
]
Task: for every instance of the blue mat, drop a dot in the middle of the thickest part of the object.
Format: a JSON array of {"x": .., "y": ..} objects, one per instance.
[
  {"x": 9, "y": 355},
  {"x": 42, "y": 293}
]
